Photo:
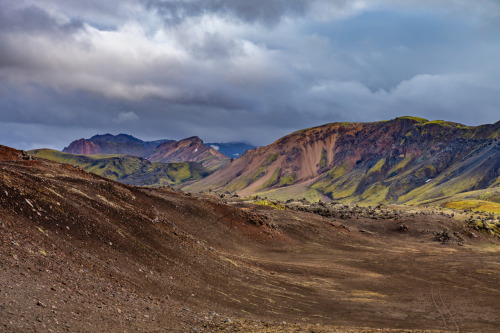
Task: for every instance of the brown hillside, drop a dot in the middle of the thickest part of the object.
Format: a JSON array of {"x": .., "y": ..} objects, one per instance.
[{"x": 82, "y": 253}]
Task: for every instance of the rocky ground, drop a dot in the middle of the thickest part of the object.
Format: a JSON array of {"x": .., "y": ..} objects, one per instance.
[{"x": 80, "y": 253}]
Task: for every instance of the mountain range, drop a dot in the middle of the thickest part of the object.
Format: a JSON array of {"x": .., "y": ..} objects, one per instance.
[
  {"x": 163, "y": 151},
  {"x": 404, "y": 160}
]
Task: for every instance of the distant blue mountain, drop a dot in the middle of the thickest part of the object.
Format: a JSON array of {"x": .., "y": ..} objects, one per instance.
[{"x": 231, "y": 149}]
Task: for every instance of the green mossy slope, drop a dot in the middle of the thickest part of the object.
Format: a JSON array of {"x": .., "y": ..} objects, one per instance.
[{"x": 129, "y": 169}]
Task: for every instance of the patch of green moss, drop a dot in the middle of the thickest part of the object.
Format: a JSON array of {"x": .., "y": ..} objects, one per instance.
[
  {"x": 336, "y": 172},
  {"x": 258, "y": 174},
  {"x": 269, "y": 160},
  {"x": 297, "y": 191},
  {"x": 496, "y": 183},
  {"x": 475, "y": 205},
  {"x": 237, "y": 185},
  {"x": 129, "y": 169},
  {"x": 375, "y": 194},
  {"x": 420, "y": 120},
  {"x": 322, "y": 161},
  {"x": 443, "y": 186},
  {"x": 445, "y": 123},
  {"x": 269, "y": 203},
  {"x": 180, "y": 172},
  {"x": 426, "y": 172},
  {"x": 377, "y": 167},
  {"x": 343, "y": 191},
  {"x": 288, "y": 180},
  {"x": 401, "y": 165},
  {"x": 338, "y": 188},
  {"x": 273, "y": 180},
  {"x": 312, "y": 195}
]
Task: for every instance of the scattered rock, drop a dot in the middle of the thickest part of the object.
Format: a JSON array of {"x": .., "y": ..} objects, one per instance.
[
  {"x": 444, "y": 236},
  {"x": 24, "y": 156},
  {"x": 403, "y": 227}
]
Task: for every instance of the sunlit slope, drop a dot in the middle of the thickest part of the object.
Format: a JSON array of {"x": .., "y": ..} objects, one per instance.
[
  {"x": 129, "y": 169},
  {"x": 404, "y": 160}
]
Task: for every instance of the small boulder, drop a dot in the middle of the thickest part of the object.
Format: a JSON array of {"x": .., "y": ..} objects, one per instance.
[{"x": 403, "y": 227}]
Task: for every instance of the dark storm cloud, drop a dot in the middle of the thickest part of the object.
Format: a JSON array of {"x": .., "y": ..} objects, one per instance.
[
  {"x": 264, "y": 11},
  {"x": 20, "y": 26},
  {"x": 239, "y": 70},
  {"x": 33, "y": 19},
  {"x": 69, "y": 116}
]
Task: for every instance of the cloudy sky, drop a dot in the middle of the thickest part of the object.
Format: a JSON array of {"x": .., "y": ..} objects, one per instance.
[{"x": 232, "y": 70}]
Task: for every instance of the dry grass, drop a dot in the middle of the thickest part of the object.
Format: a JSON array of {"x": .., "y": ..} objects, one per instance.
[{"x": 475, "y": 205}]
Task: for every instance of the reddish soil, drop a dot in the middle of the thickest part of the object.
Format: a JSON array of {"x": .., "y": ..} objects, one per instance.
[{"x": 80, "y": 253}]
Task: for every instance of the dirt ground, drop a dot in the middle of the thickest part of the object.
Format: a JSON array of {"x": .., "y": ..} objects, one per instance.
[{"x": 79, "y": 253}]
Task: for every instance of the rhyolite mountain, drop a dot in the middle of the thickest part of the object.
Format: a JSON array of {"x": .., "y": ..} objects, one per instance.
[
  {"x": 165, "y": 151},
  {"x": 190, "y": 149},
  {"x": 404, "y": 160},
  {"x": 113, "y": 144}
]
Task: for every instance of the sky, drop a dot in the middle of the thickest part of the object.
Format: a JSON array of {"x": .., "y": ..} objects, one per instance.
[{"x": 239, "y": 70}]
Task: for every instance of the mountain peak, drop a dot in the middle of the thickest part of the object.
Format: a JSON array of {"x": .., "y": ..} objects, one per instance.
[
  {"x": 193, "y": 139},
  {"x": 414, "y": 119},
  {"x": 115, "y": 138},
  {"x": 189, "y": 149},
  {"x": 111, "y": 144}
]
